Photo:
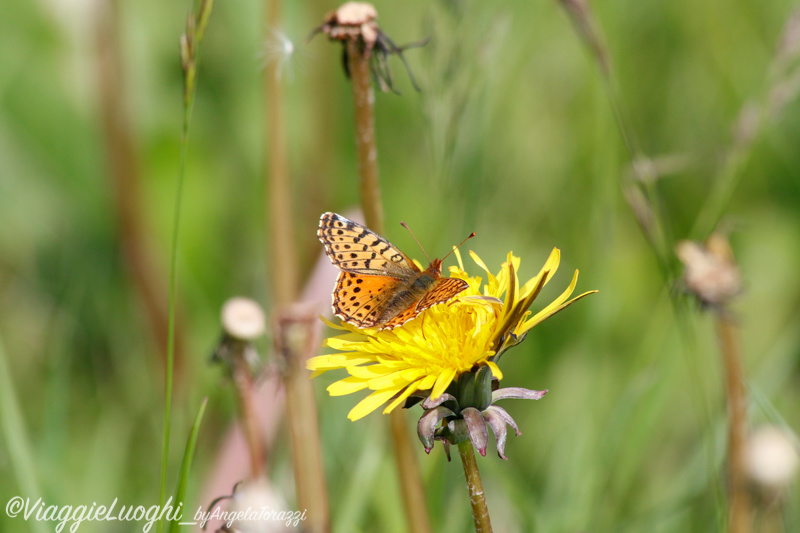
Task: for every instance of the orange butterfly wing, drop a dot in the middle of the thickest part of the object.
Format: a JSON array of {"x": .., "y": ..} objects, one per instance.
[
  {"x": 362, "y": 300},
  {"x": 440, "y": 292},
  {"x": 375, "y": 286}
]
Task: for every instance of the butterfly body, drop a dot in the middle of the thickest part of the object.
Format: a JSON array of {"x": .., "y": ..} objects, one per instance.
[
  {"x": 379, "y": 286},
  {"x": 410, "y": 291}
]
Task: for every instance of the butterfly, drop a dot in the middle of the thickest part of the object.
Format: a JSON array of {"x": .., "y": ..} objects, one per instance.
[{"x": 379, "y": 286}]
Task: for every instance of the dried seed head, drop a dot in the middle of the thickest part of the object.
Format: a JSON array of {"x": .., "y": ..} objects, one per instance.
[
  {"x": 352, "y": 21},
  {"x": 354, "y": 13},
  {"x": 243, "y": 319},
  {"x": 772, "y": 458},
  {"x": 355, "y": 25},
  {"x": 711, "y": 273}
]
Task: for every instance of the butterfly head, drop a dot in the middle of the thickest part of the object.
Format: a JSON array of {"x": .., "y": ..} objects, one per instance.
[{"x": 436, "y": 266}]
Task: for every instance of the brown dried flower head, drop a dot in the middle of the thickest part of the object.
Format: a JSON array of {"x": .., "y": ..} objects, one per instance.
[
  {"x": 351, "y": 21},
  {"x": 711, "y": 273},
  {"x": 355, "y": 23}
]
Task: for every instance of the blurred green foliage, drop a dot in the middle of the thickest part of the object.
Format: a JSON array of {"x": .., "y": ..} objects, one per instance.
[{"x": 512, "y": 137}]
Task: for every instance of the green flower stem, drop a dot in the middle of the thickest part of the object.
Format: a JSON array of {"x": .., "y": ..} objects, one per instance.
[
  {"x": 363, "y": 99},
  {"x": 739, "y": 508},
  {"x": 477, "y": 498}
]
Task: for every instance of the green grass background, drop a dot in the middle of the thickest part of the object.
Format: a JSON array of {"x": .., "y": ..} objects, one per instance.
[{"x": 511, "y": 137}]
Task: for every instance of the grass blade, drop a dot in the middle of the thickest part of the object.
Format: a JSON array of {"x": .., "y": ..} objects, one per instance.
[{"x": 186, "y": 465}]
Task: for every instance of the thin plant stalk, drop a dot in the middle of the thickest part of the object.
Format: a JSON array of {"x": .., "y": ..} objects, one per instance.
[
  {"x": 366, "y": 150},
  {"x": 372, "y": 206},
  {"x": 739, "y": 507},
  {"x": 190, "y": 44},
  {"x": 296, "y": 342},
  {"x": 477, "y": 497},
  {"x": 283, "y": 262},
  {"x": 301, "y": 407},
  {"x": 245, "y": 391}
]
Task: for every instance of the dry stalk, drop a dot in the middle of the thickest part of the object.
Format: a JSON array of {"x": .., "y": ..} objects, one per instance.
[
  {"x": 293, "y": 334},
  {"x": 712, "y": 276},
  {"x": 354, "y": 25},
  {"x": 296, "y": 339}
]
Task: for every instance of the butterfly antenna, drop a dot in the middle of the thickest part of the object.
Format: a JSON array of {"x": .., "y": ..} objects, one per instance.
[
  {"x": 415, "y": 238},
  {"x": 471, "y": 235}
]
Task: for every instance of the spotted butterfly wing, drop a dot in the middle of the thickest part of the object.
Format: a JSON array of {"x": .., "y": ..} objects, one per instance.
[
  {"x": 362, "y": 300},
  {"x": 379, "y": 285},
  {"x": 353, "y": 248}
]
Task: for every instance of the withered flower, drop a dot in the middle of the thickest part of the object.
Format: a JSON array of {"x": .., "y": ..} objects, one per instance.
[
  {"x": 711, "y": 273},
  {"x": 356, "y": 23}
]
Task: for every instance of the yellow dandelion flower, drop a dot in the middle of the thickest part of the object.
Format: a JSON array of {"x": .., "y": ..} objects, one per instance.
[{"x": 443, "y": 342}]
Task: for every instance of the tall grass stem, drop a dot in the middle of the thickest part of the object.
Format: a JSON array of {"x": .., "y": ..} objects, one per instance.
[{"x": 190, "y": 45}]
